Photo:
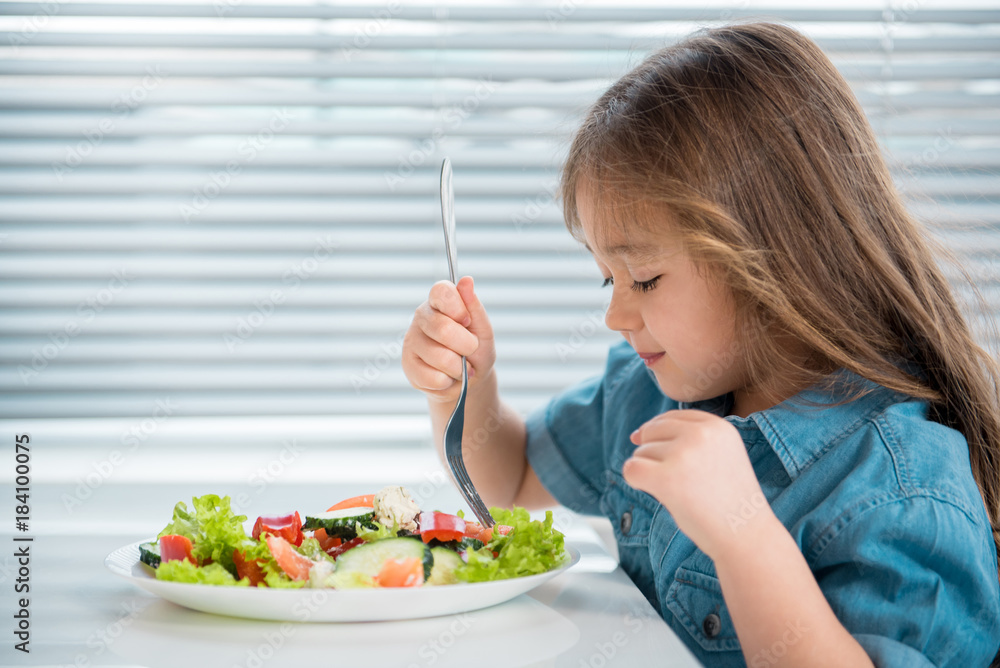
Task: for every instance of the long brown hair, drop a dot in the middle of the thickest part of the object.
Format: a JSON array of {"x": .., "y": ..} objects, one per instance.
[{"x": 757, "y": 150}]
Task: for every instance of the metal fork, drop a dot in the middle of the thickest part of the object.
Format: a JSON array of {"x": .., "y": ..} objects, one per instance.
[{"x": 456, "y": 423}]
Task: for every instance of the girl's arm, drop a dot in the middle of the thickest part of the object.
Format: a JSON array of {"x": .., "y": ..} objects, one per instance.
[
  {"x": 493, "y": 442},
  {"x": 697, "y": 466},
  {"x": 778, "y": 609}
]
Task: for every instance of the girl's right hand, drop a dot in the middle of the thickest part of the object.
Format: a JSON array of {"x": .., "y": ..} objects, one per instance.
[{"x": 450, "y": 324}]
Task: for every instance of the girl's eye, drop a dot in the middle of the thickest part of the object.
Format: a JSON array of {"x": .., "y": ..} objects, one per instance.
[
  {"x": 645, "y": 286},
  {"x": 637, "y": 286}
]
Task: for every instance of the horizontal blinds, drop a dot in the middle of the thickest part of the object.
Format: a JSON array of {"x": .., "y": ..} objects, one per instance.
[{"x": 234, "y": 206}]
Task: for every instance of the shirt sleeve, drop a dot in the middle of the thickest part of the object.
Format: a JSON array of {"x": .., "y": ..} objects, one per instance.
[
  {"x": 564, "y": 446},
  {"x": 566, "y": 439},
  {"x": 914, "y": 580}
]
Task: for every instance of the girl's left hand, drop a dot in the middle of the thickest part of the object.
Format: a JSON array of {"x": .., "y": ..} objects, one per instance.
[{"x": 696, "y": 465}]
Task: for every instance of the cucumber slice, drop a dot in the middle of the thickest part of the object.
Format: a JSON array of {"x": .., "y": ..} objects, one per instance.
[
  {"x": 445, "y": 563},
  {"x": 367, "y": 559},
  {"x": 149, "y": 553},
  {"x": 341, "y": 522}
]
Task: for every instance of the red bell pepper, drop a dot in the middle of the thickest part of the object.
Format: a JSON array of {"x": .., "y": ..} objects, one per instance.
[
  {"x": 442, "y": 526},
  {"x": 288, "y": 527}
]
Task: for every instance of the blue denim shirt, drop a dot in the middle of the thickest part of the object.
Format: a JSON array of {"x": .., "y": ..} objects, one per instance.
[{"x": 880, "y": 500}]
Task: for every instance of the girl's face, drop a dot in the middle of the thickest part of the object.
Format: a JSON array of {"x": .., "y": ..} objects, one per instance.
[{"x": 680, "y": 323}]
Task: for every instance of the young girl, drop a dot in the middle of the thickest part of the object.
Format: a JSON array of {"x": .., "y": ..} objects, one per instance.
[{"x": 798, "y": 442}]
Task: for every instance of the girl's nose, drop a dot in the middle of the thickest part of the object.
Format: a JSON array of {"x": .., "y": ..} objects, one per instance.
[{"x": 622, "y": 314}]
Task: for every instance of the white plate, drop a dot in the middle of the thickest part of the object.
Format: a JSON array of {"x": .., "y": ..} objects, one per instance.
[{"x": 327, "y": 605}]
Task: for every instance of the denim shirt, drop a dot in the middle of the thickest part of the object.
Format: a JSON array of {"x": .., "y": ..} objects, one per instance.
[{"x": 880, "y": 500}]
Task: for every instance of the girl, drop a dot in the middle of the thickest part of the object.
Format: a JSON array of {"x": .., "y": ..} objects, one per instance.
[{"x": 798, "y": 442}]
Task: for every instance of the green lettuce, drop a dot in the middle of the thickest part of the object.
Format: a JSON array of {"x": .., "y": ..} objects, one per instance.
[
  {"x": 182, "y": 570},
  {"x": 216, "y": 532},
  {"x": 531, "y": 547},
  {"x": 213, "y": 528},
  {"x": 376, "y": 531},
  {"x": 275, "y": 578},
  {"x": 310, "y": 547}
]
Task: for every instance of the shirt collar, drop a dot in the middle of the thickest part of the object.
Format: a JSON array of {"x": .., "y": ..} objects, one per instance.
[{"x": 801, "y": 428}]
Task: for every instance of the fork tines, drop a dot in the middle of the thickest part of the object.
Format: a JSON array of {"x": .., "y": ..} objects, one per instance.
[{"x": 469, "y": 491}]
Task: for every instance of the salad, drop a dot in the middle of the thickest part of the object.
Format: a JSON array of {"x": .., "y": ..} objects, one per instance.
[{"x": 374, "y": 540}]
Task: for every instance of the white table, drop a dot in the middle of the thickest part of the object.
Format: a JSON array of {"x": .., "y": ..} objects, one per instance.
[{"x": 81, "y": 614}]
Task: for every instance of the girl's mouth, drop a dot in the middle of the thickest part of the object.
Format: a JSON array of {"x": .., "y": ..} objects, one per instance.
[{"x": 650, "y": 358}]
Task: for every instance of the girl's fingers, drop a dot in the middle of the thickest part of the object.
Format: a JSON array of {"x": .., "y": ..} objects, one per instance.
[
  {"x": 443, "y": 330},
  {"x": 667, "y": 425},
  {"x": 444, "y": 298},
  {"x": 660, "y": 428},
  {"x": 480, "y": 322},
  {"x": 640, "y": 473},
  {"x": 451, "y": 324},
  {"x": 428, "y": 378},
  {"x": 655, "y": 451},
  {"x": 439, "y": 358}
]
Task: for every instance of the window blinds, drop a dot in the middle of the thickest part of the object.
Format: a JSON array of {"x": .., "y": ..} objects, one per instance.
[{"x": 232, "y": 207}]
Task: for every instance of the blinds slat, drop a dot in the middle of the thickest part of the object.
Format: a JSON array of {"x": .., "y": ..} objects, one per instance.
[
  {"x": 263, "y": 211},
  {"x": 286, "y": 320},
  {"x": 349, "y": 352},
  {"x": 285, "y": 122},
  {"x": 267, "y": 182},
  {"x": 288, "y": 183},
  {"x": 393, "y": 238},
  {"x": 485, "y": 38},
  {"x": 91, "y": 404},
  {"x": 307, "y": 210},
  {"x": 490, "y": 13},
  {"x": 354, "y": 266},
  {"x": 45, "y": 152}
]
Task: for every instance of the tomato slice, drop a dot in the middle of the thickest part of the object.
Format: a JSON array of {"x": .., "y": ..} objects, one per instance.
[
  {"x": 176, "y": 547},
  {"x": 407, "y": 572},
  {"x": 288, "y": 527},
  {"x": 442, "y": 526},
  {"x": 294, "y": 564},
  {"x": 363, "y": 501},
  {"x": 478, "y": 531},
  {"x": 248, "y": 569},
  {"x": 326, "y": 542}
]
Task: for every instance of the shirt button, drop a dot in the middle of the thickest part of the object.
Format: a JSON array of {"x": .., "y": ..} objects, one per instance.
[
  {"x": 712, "y": 625},
  {"x": 626, "y": 523}
]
